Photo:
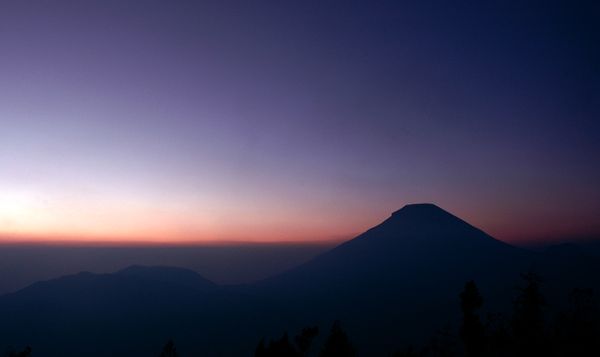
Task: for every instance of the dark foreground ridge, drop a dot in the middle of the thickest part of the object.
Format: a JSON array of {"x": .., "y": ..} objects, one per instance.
[{"x": 392, "y": 286}]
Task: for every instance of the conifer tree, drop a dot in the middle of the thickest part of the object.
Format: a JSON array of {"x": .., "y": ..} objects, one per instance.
[
  {"x": 472, "y": 332},
  {"x": 337, "y": 344}
]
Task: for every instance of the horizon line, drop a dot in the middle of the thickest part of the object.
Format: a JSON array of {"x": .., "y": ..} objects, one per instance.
[{"x": 162, "y": 243}]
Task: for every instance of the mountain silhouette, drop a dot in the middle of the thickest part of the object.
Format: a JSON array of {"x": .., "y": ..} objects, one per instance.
[
  {"x": 131, "y": 312},
  {"x": 170, "y": 275},
  {"x": 409, "y": 268},
  {"x": 393, "y": 284},
  {"x": 417, "y": 246}
]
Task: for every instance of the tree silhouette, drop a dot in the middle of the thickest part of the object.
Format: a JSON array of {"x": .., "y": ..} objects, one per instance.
[
  {"x": 276, "y": 348},
  {"x": 443, "y": 343},
  {"x": 261, "y": 349},
  {"x": 408, "y": 352},
  {"x": 528, "y": 319},
  {"x": 25, "y": 353},
  {"x": 577, "y": 330},
  {"x": 169, "y": 350},
  {"x": 305, "y": 338},
  {"x": 498, "y": 338},
  {"x": 282, "y": 347},
  {"x": 472, "y": 332},
  {"x": 337, "y": 344}
]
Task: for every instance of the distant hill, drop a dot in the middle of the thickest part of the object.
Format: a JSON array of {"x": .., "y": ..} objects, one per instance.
[
  {"x": 128, "y": 313},
  {"x": 168, "y": 275},
  {"x": 394, "y": 284}
]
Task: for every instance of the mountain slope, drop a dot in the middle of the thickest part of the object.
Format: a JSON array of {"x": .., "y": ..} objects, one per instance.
[
  {"x": 392, "y": 285},
  {"x": 170, "y": 275},
  {"x": 406, "y": 271},
  {"x": 400, "y": 280},
  {"x": 417, "y": 239},
  {"x": 131, "y": 313}
]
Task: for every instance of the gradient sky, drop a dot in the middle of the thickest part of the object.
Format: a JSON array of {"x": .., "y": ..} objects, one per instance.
[{"x": 194, "y": 121}]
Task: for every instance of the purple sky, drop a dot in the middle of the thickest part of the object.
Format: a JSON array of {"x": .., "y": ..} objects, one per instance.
[{"x": 309, "y": 120}]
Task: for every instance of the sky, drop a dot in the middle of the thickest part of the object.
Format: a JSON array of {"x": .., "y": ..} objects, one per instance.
[{"x": 183, "y": 121}]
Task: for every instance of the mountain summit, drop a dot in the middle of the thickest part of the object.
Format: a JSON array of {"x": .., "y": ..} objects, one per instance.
[
  {"x": 420, "y": 232},
  {"x": 428, "y": 224},
  {"x": 423, "y": 216},
  {"x": 417, "y": 243},
  {"x": 420, "y": 208}
]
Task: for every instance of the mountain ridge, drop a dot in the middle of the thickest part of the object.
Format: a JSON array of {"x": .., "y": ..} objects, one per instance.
[{"x": 410, "y": 268}]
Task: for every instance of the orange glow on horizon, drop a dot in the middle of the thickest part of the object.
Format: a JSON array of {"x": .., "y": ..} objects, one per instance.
[
  {"x": 29, "y": 217},
  {"x": 55, "y": 239}
]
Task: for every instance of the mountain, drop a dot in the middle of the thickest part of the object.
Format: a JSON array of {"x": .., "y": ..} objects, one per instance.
[
  {"x": 168, "y": 275},
  {"x": 417, "y": 250},
  {"x": 417, "y": 239},
  {"x": 393, "y": 285},
  {"x": 131, "y": 312},
  {"x": 407, "y": 271},
  {"x": 400, "y": 280}
]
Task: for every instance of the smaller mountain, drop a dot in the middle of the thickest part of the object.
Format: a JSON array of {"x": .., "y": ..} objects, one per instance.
[
  {"x": 131, "y": 312},
  {"x": 565, "y": 250},
  {"x": 169, "y": 275},
  {"x": 127, "y": 286}
]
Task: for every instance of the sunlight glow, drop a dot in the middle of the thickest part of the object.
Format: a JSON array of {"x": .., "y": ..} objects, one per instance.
[{"x": 14, "y": 207}]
